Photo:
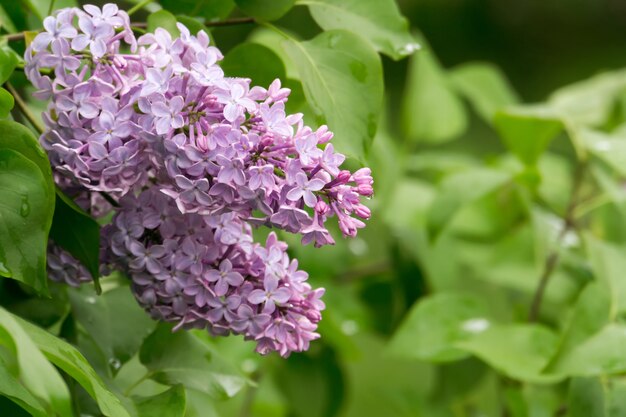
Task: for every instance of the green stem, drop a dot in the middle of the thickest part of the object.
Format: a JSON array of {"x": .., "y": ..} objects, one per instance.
[
  {"x": 51, "y": 7},
  {"x": 135, "y": 384},
  {"x": 552, "y": 259},
  {"x": 23, "y": 107},
  {"x": 138, "y": 6}
]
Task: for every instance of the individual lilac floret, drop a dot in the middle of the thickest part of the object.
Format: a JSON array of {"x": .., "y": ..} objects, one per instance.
[{"x": 205, "y": 272}]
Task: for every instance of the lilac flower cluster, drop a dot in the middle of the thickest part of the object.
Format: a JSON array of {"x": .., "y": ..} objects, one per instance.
[{"x": 195, "y": 159}]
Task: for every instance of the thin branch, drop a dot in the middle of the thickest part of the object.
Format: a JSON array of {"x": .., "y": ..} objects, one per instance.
[
  {"x": 552, "y": 259},
  {"x": 138, "y": 6},
  {"x": 21, "y": 104},
  {"x": 141, "y": 25}
]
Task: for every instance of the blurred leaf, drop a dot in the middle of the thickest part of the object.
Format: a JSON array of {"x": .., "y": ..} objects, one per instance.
[
  {"x": 608, "y": 265},
  {"x": 114, "y": 320},
  {"x": 25, "y": 218},
  {"x": 527, "y": 131},
  {"x": 610, "y": 148},
  {"x": 254, "y": 61},
  {"x": 436, "y": 323},
  {"x": 5, "y": 21},
  {"x": 11, "y": 388},
  {"x": 589, "y": 102},
  {"x": 342, "y": 79},
  {"x": 72, "y": 362},
  {"x": 210, "y": 10},
  {"x": 324, "y": 391},
  {"x": 273, "y": 40},
  {"x": 459, "y": 190},
  {"x": 182, "y": 358},
  {"x": 265, "y": 10},
  {"x": 6, "y": 103},
  {"x": 35, "y": 372},
  {"x": 8, "y": 62},
  {"x": 76, "y": 232},
  {"x": 171, "y": 403},
  {"x": 40, "y": 7},
  {"x": 431, "y": 111},
  {"x": 163, "y": 19},
  {"x": 597, "y": 397},
  {"x": 484, "y": 86},
  {"x": 21, "y": 139},
  {"x": 519, "y": 351},
  {"x": 380, "y": 22}
]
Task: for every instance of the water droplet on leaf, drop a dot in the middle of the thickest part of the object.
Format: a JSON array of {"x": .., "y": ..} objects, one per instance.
[
  {"x": 115, "y": 364},
  {"x": 90, "y": 300},
  {"x": 25, "y": 207}
]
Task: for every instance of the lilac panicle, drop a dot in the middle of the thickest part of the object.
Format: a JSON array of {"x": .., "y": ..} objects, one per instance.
[{"x": 194, "y": 158}]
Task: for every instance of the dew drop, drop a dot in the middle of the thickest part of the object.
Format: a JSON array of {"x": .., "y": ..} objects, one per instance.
[
  {"x": 90, "y": 300},
  {"x": 333, "y": 40},
  {"x": 408, "y": 49},
  {"x": 25, "y": 207},
  {"x": 476, "y": 325},
  {"x": 115, "y": 364}
]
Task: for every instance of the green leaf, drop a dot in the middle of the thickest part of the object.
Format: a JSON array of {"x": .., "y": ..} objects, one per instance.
[
  {"x": 25, "y": 218},
  {"x": 8, "y": 62},
  {"x": 608, "y": 265},
  {"x": 527, "y": 131},
  {"x": 436, "y": 323},
  {"x": 459, "y": 190},
  {"x": 182, "y": 358},
  {"x": 380, "y": 22},
  {"x": 597, "y": 397},
  {"x": 72, "y": 362},
  {"x": 265, "y": 10},
  {"x": 591, "y": 101},
  {"x": 21, "y": 139},
  {"x": 170, "y": 403},
  {"x": 76, "y": 232},
  {"x": 519, "y": 351},
  {"x": 6, "y": 103},
  {"x": 210, "y": 10},
  {"x": 342, "y": 79},
  {"x": 11, "y": 388},
  {"x": 431, "y": 111},
  {"x": 5, "y": 21},
  {"x": 586, "y": 398},
  {"x": 163, "y": 19},
  {"x": 484, "y": 86},
  {"x": 35, "y": 372},
  {"x": 254, "y": 61},
  {"x": 610, "y": 148},
  {"x": 114, "y": 320},
  {"x": 602, "y": 353},
  {"x": 193, "y": 24}
]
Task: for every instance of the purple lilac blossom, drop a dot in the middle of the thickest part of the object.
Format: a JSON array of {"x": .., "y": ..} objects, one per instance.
[{"x": 195, "y": 159}]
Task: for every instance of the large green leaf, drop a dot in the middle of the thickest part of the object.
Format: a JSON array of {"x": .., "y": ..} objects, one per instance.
[
  {"x": 608, "y": 265},
  {"x": 114, "y": 320},
  {"x": 72, "y": 362},
  {"x": 6, "y": 103},
  {"x": 35, "y": 372},
  {"x": 527, "y": 131},
  {"x": 610, "y": 148},
  {"x": 253, "y": 61},
  {"x": 170, "y": 403},
  {"x": 21, "y": 139},
  {"x": 520, "y": 351},
  {"x": 436, "y": 324},
  {"x": 182, "y": 358},
  {"x": 8, "y": 62},
  {"x": 597, "y": 397},
  {"x": 25, "y": 218},
  {"x": 380, "y": 22},
  {"x": 342, "y": 79},
  {"x": 11, "y": 388},
  {"x": 459, "y": 190},
  {"x": 484, "y": 86},
  {"x": 431, "y": 111},
  {"x": 265, "y": 10},
  {"x": 76, "y": 232}
]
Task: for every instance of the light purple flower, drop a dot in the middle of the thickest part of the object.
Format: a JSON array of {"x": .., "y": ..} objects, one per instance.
[{"x": 305, "y": 188}]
